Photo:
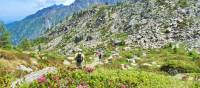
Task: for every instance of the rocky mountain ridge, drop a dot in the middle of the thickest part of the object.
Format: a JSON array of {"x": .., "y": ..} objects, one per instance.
[
  {"x": 35, "y": 25},
  {"x": 147, "y": 24}
]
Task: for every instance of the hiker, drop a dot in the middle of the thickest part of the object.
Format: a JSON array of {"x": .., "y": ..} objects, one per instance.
[
  {"x": 99, "y": 54},
  {"x": 79, "y": 57},
  {"x": 39, "y": 48}
]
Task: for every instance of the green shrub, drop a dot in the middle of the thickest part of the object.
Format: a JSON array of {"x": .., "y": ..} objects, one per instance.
[
  {"x": 183, "y": 3},
  {"x": 103, "y": 78},
  {"x": 188, "y": 66},
  {"x": 5, "y": 40},
  {"x": 161, "y": 2},
  {"x": 25, "y": 44},
  {"x": 126, "y": 54},
  {"x": 194, "y": 55}
]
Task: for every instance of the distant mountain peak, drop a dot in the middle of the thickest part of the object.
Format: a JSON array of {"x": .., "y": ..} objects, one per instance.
[
  {"x": 45, "y": 10},
  {"x": 35, "y": 25}
]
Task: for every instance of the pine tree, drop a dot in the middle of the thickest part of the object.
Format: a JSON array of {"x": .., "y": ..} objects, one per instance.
[
  {"x": 5, "y": 39},
  {"x": 25, "y": 44}
]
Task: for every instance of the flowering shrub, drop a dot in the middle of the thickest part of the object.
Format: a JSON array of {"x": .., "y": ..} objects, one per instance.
[
  {"x": 110, "y": 76},
  {"x": 90, "y": 69},
  {"x": 56, "y": 79},
  {"x": 82, "y": 86},
  {"x": 123, "y": 86},
  {"x": 108, "y": 79},
  {"x": 42, "y": 79}
]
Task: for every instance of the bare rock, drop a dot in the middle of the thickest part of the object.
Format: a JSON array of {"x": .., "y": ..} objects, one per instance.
[
  {"x": 24, "y": 68},
  {"x": 117, "y": 42},
  {"x": 33, "y": 76},
  {"x": 127, "y": 48},
  {"x": 131, "y": 60},
  {"x": 66, "y": 62},
  {"x": 70, "y": 58},
  {"x": 34, "y": 61},
  {"x": 146, "y": 64}
]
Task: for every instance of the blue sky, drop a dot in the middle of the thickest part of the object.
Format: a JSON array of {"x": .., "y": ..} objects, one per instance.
[{"x": 13, "y": 10}]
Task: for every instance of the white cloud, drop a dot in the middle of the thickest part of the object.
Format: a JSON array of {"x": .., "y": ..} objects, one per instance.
[
  {"x": 18, "y": 9},
  {"x": 50, "y": 2},
  {"x": 67, "y": 2}
]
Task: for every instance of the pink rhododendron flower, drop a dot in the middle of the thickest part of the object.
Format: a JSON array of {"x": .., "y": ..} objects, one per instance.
[
  {"x": 123, "y": 86},
  {"x": 89, "y": 69},
  {"x": 42, "y": 79},
  {"x": 82, "y": 86}
]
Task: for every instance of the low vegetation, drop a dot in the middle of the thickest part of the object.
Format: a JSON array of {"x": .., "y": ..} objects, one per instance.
[
  {"x": 107, "y": 75},
  {"x": 123, "y": 65}
]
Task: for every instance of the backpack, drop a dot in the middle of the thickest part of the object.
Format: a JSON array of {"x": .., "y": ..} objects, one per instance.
[{"x": 79, "y": 58}]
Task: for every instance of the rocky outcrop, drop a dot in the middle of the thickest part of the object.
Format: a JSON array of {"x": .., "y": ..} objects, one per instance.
[
  {"x": 138, "y": 23},
  {"x": 33, "y": 76},
  {"x": 65, "y": 62},
  {"x": 52, "y": 44},
  {"x": 35, "y": 25},
  {"x": 24, "y": 68}
]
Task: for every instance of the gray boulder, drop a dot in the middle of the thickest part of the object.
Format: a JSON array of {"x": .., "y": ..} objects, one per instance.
[
  {"x": 33, "y": 76},
  {"x": 117, "y": 42},
  {"x": 24, "y": 68}
]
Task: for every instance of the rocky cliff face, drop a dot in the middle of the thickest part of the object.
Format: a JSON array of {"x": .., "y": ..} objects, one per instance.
[
  {"x": 147, "y": 24},
  {"x": 35, "y": 25}
]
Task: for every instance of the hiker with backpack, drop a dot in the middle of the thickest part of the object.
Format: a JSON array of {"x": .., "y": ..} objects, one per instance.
[
  {"x": 79, "y": 57},
  {"x": 99, "y": 54}
]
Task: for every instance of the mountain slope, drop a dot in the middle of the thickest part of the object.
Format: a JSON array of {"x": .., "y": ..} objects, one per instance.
[
  {"x": 125, "y": 34},
  {"x": 34, "y": 25},
  {"x": 5, "y": 40},
  {"x": 146, "y": 24},
  {"x": 2, "y": 27}
]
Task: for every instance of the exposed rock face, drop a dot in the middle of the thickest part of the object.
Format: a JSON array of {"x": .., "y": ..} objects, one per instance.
[
  {"x": 24, "y": 68},
  {"x": 172, "y": 70},
  {"x": 118, "y": 42},
  {"x": 35, "y": 25},
  {"x": 54, "y": 43},
  {"x": 34, "y": 76},
  {"x": 66, "y": 62},
  {"x": 139, "y": 23}
]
